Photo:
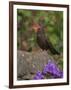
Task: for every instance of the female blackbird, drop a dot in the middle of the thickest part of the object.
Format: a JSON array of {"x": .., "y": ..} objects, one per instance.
[{"x": 43, "y": 42}]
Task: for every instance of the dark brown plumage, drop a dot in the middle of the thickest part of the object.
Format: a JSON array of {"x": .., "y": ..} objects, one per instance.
[{"x": 42, "y": 41}]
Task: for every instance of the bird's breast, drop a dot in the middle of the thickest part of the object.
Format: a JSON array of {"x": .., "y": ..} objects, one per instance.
[{"x": 41, "y": 41}]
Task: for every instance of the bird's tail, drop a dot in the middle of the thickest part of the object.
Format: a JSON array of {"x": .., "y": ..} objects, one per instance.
[{"x": 54, "y": 51}]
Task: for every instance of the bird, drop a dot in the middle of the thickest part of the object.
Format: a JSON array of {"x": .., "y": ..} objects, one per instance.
[{"x": 43, "y": 41}]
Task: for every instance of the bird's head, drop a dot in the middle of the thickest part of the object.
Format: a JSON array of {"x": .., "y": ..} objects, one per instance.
[{"x": 36, "y": 27}]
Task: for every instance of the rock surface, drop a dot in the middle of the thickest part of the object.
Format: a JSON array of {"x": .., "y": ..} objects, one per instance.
[{"x": 28, "y": 63}]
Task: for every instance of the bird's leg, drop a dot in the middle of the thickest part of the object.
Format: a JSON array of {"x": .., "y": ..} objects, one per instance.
[
  {"x": 41, "y": 50},
  {"x": 44, "y": 50},
  {"x": 48, "y": 52}
]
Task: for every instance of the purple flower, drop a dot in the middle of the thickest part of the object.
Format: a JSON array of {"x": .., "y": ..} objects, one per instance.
[
  {"x": 61, "y": 74},
  {"x": 38, "y": 76},
  {"x": 52, "y": 68}
]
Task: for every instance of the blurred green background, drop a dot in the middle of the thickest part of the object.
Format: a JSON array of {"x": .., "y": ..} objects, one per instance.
[{"x": 26, "y": 37}]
